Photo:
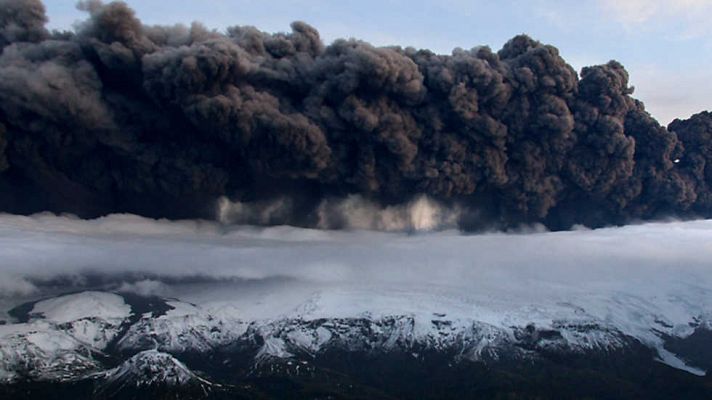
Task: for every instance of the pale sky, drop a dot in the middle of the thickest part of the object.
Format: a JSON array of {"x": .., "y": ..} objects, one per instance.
[{"x": 665, "y": 45}]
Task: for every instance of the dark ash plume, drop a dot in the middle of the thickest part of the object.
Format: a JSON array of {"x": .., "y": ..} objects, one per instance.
[
  {"x": 22, "y": 21},
  {"x": 164, "y": 120}
]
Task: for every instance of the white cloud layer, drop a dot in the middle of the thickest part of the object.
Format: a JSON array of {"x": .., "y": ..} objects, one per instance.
[{"x": 44, "y": 247}]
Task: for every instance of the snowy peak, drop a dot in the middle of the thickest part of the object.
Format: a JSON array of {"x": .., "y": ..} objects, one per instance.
[
  {"x": 151, "y": 368},
  {"x": 183, "y": 328},
  {"x": 61, "y": 337}
]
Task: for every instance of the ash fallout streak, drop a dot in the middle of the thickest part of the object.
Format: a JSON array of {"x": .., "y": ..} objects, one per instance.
[{"x": 164, "y": 120}]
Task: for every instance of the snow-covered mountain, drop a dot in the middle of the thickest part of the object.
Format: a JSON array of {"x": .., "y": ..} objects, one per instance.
[
  {"x": 62, "y": 338},
  {"x": 149, "y": 369},
  {"x": 99, "y": 336}
]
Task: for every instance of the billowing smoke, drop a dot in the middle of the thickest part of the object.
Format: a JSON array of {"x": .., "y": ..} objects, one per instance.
[
  {"x": 353, "y": 212},
  {"x": 164, "y": 120}
]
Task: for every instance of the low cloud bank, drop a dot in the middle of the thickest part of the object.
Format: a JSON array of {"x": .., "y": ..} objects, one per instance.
[{"x": 147, "y": 256}]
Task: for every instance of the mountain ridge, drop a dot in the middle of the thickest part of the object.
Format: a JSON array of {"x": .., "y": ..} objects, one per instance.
[{"x": 121, "y": 348}]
